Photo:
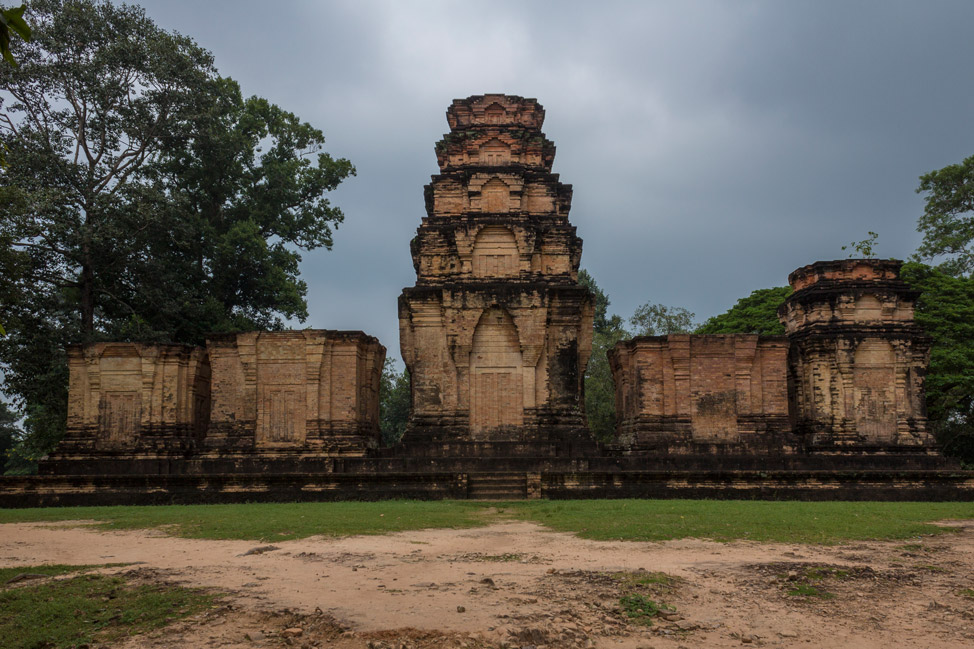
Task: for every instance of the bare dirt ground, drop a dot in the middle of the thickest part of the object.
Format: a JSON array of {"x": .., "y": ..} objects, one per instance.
[{"x": 520, "y": 585}]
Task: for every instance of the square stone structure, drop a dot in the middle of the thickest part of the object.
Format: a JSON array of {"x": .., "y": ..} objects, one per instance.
[
  {"x": 134, "y": 402},
  {"x": 846, "y": 379},
  {"x": 497, "y": 332},
  {"x": 310, "y": 391},
  {"x": 707, "y": 394},
  {"x": 857, "y": 360}
]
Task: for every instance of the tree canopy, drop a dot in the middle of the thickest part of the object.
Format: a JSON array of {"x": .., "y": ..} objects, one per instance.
[
  {"x": 945, "y": 310},
  {"x": 658, "y": 320},
  {"x": 145, "y": 198},
  {"x": 947, "y": 223},
  {"x": 755, "y": 314},
  {"x": 12, "y": 24}
]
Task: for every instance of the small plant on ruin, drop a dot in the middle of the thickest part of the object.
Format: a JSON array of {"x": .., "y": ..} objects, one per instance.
[
  {"x": 865, "y": 248},
  {"x": 967, "y": 592}
]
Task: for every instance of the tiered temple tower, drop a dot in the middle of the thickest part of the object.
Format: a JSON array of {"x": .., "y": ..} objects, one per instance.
[
  {"x": 497, "y": 332},
  {"x": 857, "y": 359}
]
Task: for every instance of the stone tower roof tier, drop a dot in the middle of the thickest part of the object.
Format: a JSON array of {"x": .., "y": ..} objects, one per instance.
[{"x": 495, "y": 109}]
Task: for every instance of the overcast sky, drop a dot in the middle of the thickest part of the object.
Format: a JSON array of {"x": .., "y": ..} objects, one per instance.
[{"x": 713, "y": 147}]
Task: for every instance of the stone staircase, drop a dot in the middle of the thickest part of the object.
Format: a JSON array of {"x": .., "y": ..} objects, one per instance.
[{"x": 497, "y": 486}]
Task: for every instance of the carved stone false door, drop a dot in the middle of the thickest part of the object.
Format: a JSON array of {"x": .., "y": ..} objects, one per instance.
[
  {"x": 496, "y": 381},
  {"x": 875, "y": 394}
]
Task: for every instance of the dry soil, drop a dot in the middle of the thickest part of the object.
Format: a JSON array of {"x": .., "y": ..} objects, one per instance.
[{"x": 520, "y": 585}]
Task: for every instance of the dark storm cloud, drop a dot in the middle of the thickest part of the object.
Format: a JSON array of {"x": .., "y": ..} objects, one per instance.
[{"x": 713, "y": 147}]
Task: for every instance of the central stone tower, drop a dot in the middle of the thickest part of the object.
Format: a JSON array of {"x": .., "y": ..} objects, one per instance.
[{"x": 497, "y": 332}]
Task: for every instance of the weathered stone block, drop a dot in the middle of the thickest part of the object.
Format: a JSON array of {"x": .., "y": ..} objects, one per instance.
[
  {"x": 311, "y": 391},
  {"x": 702, "y": 394},
  {"x": 134, "y": 401},
  {"x": 857, "y": 359}
]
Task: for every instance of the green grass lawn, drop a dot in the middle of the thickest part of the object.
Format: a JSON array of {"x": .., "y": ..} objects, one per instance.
[
  {"x": 629, "y": 520},
  {"x": 268, "y": 521},
  {"x": 88, "y": 609},
  {"x": 729, "y": 520}
]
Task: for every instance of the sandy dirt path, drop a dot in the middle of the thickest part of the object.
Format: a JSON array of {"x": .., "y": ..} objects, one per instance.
[{"x": 520, "y": 585}]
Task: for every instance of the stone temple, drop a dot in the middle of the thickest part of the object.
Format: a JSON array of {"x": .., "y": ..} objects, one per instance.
[
  {"x": 496, "y": 334},
  {"x": 845, "y": 380}
]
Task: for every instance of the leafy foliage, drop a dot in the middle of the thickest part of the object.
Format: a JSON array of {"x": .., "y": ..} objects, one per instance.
[
  {"x": 394, "y": 402},
  {"x": 947, "y": 223},
  {"x": 648, "y": 320},
  {"x": 10, "y": 433},
  {"x": 754, "y": 314},
  {"x": 659, "y": 320},
  {"x": 945, "y": 310},
  {"x": 599, "y": 387},
  {"x": 864, "y": 248},
  {"x": 146, "y": 199},
  {"x": 12, "y": 23}
]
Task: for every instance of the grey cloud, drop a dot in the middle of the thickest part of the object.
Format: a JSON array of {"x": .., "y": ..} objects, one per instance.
[{"x": 713, "y": 147}]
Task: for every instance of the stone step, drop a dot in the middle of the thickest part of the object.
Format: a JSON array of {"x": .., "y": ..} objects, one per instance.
[
  {"x": 497, "y": 486},
  {"x": 496, "y": 495}
]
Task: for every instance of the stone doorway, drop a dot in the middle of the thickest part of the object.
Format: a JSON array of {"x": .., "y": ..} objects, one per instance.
[{"x": 497, "y": 384}]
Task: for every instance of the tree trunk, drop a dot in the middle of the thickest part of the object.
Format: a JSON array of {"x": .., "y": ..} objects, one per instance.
[{"x": 87, "y": 286}]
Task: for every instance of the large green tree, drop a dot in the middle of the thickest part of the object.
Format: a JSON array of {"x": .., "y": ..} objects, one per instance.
[
  {"x": 947, "y": 223},
  {"x": 945, "y": 310},
  {"x": 145, "y": 198},
  {"x": 755, "y": 314}
]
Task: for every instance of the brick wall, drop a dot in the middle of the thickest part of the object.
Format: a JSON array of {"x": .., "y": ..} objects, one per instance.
[
  {"x": 312, "y": 389},
  {"x": 714, "y": 393},
  {"x": 133, "y": 396}
]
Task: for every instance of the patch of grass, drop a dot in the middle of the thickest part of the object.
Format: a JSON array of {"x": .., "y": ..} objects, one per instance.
[
  {"x": 912, "y": 547},
  {"x": 807, "y": 590},
  {"x": 721, "y": 520},
  {"x": 6, "y": 574},
  {"x": 89, "y": 609},
  {"x": 818, "y": 573},
  {"x": 640, "y": 609},
  {"x": 932, "y": 568},
  {"x": 268, "y": 521},
  {"x": 628, "y": 520},
  {"x": 640, "y": 578},
  {"x": 809, "y": 580},
  {"x": 967, "y": 592}
]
